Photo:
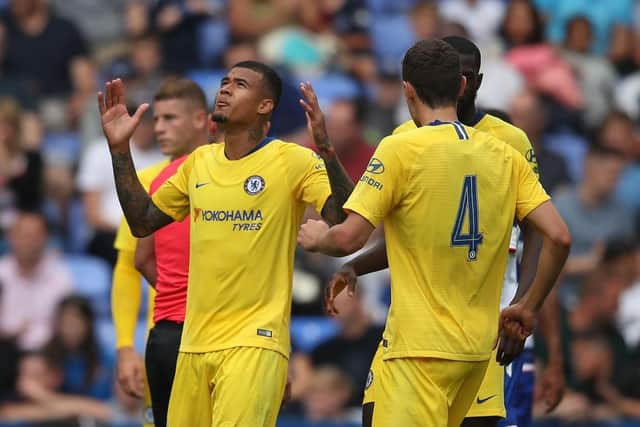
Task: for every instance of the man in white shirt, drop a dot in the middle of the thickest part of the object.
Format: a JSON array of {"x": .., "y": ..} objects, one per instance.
[{"x": 95, "y": 181}]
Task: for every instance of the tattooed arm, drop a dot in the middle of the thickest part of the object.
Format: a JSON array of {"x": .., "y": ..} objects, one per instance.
[
  {"x": 142, "y": 215},
  {"x": 341, "y": 184}
]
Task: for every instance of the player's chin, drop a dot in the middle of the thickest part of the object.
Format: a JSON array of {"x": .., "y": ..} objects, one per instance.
[{"x": 219, "y": 117}]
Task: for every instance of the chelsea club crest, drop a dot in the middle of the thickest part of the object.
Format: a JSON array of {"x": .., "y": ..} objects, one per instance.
[{"x": 253, "y": 185}]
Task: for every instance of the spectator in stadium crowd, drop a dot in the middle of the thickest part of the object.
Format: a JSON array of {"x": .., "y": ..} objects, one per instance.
[
  {"x": 95, "y": 182},
  {"x": 481, "y": 18},
  {"x": 596, "y": 75},
  {"x": 529, "y": 114},
  {"x": 607, "y": 18},
  {"x": 33, "y": 280},
  {"x": 141, "y": 68},
  {"x": 34, "y": 32},
  {"x": 74, "y": 347},
  {"x": 617, "y": 131},
  {"x": 180, "y": 24},
  {"x": 21, "y": 165},
  {"x": 593, "y": 216},
  {"x": 346, "y": 132},
  {"x": 38, "y": 398},
  {"x": 251, "y": 19},
  {"x": 352, "y": 349},
  {"x": 380, "y": 114},
  {"x": 328, "y": 395}
]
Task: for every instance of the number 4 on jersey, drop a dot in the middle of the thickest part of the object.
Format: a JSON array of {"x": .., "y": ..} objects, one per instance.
[{"x": 468, "y": 208}]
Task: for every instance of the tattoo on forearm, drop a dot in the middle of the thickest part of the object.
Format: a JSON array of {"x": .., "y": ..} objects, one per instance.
[
  {"x": 341, "y": 188},
  {"x": 142, "y": 215}
]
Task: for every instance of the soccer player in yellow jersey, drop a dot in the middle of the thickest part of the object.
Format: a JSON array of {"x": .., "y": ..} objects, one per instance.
[
  {"x": 509, "y": 397},
  {"x": 180, "y": 124},
  {"x": 245, "y": 197},
  {"x": 447, "y": 194}
]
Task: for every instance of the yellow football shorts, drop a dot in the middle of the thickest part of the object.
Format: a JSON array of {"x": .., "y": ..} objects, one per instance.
[
  {"x": 422, "y": 391},
  {"x": 240, "y": 386},
  {"x": 489, "y": 401}
]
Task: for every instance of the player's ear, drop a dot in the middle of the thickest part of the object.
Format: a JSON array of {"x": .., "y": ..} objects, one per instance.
[
  {"x": 463, "y": 86},
  {"x": 201, "y": 119},
  {"x": 409, "y": 90},
  {"x": 266, "y": 106}
]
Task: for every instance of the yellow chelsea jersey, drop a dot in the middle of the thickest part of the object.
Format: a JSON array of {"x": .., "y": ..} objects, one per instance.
[
  {"x": 245, "y": 216},
  {"x": 447, "y": 194},
  {"x": 498, "y": 128}
]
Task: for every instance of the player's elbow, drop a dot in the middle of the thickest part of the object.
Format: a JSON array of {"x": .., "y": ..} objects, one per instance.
[
  {"x": 561, "y": 238},
  {"x": 140, "y": 232}
]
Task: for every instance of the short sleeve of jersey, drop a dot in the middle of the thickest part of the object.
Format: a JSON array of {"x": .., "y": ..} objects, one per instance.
[
  {"x": 307, "y": 175},
  {"x": 172, "y": 197},
  {"x": 523, "y": 145},
  {"x": 379, "y": 189},
  {"x": 530, "y": 191}
]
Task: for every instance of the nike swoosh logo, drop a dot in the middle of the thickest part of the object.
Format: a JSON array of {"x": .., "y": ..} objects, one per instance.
[
  {"x": 201, "y": 184},
  {"x": 481, "y": 401}
]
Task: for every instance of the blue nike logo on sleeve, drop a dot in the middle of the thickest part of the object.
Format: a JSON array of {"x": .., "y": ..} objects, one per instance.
[
  {"x": 481, "y": 401},
  {"x": 200, "y": 184}
]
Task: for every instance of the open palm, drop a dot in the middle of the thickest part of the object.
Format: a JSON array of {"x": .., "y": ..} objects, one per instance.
[{"x": 117, "y": 124}]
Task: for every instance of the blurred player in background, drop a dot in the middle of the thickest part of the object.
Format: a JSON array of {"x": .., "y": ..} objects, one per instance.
[
  {"x": 245, "y": 199},
  {"x": 448, "y": 195},
  {"x": 180, "y": 125},
  {"x": 513, "y": 392}
]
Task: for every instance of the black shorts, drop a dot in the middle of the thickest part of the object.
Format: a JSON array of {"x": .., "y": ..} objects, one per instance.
[{"x": 160, "y": 360}]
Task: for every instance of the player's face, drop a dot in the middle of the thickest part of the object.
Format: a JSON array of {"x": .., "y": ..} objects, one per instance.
[
  {"x": 177, "y": 124},
  {"x": 241, "y": 98}
]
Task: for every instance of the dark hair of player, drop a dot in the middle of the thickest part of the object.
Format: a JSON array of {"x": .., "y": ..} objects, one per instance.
[
  {"x": 465, "y": 47},
  {"x": 272, "y": 82},
  {"x": 179, "y": 88},
  {"x": 433, "y": 68}
]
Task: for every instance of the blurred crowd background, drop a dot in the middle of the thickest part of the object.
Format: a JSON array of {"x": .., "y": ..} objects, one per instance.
[{"x": 566, "y": 71}]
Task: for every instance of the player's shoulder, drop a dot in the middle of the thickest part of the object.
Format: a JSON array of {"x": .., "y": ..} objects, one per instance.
[
  {"x": 152, "y": 171},
  {"x": 406, "y": 126},
  {"x": 503, "y": 130},
  {"x": 293, "y": 150}
]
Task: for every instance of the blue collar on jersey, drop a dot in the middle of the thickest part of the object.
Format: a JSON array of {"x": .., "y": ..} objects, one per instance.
[
  {"x": 477, "y": 117},
  {"x": 261, "y": 144},
  {"x": 459, "y": 127}
]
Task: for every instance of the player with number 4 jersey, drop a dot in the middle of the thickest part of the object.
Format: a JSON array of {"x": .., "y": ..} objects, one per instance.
[{"x": 447, "y": 195}]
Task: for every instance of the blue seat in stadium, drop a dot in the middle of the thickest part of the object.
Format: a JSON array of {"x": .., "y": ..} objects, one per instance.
[
  {"x": 92, "y": 279},
  {"x": 209, "y": 81},
  {"x": 62, "y": 147},
  {"x": 391, "y": 36},
  {"x": 332, "y": 86},
  {"x": 307, "y": 332},
  {"x": 386, "y": 7}
]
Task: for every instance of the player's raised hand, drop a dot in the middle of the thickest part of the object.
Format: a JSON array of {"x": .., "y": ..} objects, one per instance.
[
  {"x": 118, "y": 126},
  {"x": 130, "y": 372},
  {"x": 550, "y": 387},
  {"x": 346, "y": 277},
  {"x": 310, "y": 234},
  {"x": 315, "y": 119}
]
